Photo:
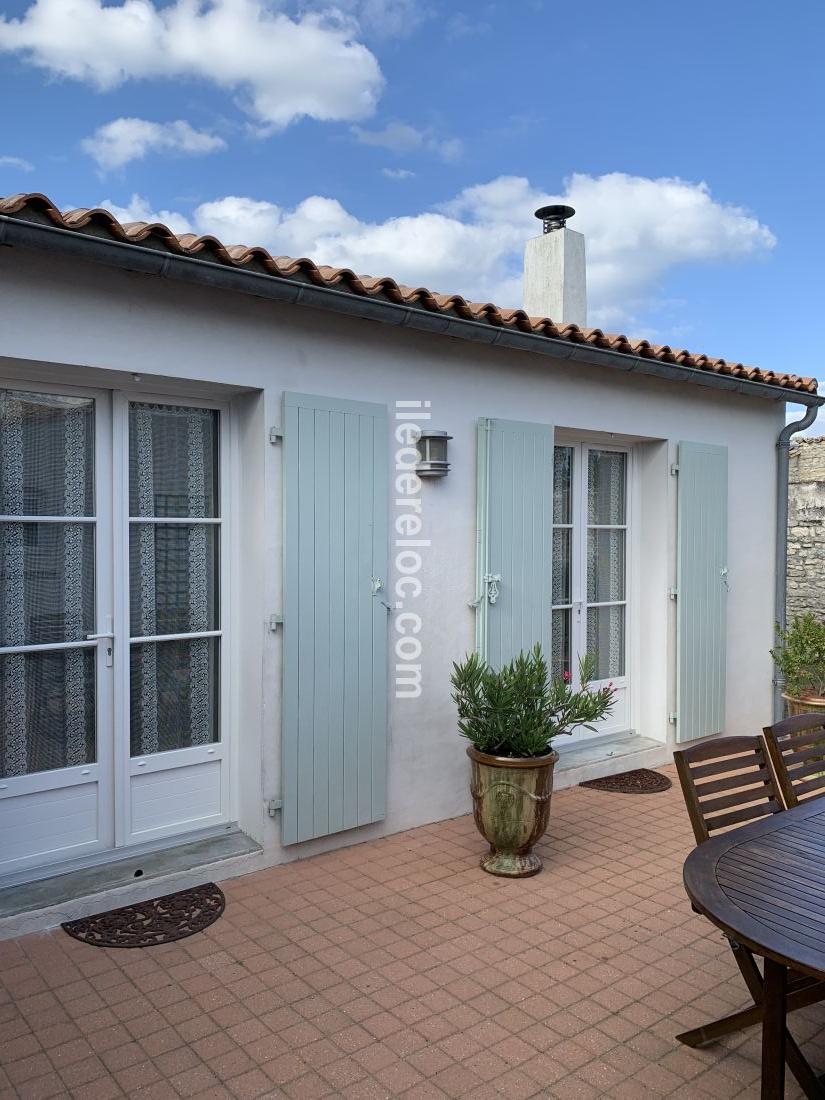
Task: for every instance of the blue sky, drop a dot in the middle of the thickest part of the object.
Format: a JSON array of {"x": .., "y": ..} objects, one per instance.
[{"x": 414, "y": 139}]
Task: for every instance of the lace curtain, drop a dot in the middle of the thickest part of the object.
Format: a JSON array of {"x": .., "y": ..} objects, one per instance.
[
  {"x": 173, "y": 473},
  {"x": 606, "y": 507},
  {"x": 47, "y": 708}
]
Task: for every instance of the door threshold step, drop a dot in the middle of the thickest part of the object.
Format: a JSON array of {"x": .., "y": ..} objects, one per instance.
[
  {"x": 609, "y": 757},
  {"x": 134, "y": 870}
]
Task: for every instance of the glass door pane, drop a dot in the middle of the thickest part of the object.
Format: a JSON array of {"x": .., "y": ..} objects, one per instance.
[
  {"x": 47, "y": 582},
  {"x": 174, "y": 546},
  {"x": 563, "y": 533},
  {"x": 606, "y": 561}
]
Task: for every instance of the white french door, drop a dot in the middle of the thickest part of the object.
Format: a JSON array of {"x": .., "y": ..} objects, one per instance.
[
  {"x": 110, "y": 629},
  {"x": 590, "y": 572},
  {"x": 56, "y": 771},
  {"x": 171, "y": 760}
]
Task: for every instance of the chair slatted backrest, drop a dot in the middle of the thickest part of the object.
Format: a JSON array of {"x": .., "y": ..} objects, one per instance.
[
  {"x": 796, "y": 747},
  {"x": 726, "y": 781}
]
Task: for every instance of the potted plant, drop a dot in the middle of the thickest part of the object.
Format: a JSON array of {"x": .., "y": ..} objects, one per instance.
[
  {"x": 511, "y": 716},
  {"x": 800, "y": 658}
]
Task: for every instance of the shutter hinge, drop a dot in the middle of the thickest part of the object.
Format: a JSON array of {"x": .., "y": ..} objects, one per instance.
[
  {"x": 276, "y": 436},
  {"x": 674, "y": 469},
  {"x": 673, "y": 718},
  {"x": 672, "y": 593},
  {"x": 276, "y": 620},
  {"x": 273, "y": 805}
]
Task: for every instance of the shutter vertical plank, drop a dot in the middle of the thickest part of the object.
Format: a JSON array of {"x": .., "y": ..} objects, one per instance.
[
  {"x": 335, "y": 641},
  {"x": 482, "y": 531},
  {"x": 306, "y": 622},
  {"x": 323, "y": 542},
  {"x": 365, "y": 610},
  {"x": 337, "y": 620},
  {"x": 350, "y": 596},
  {"x": 702, "y": 591},
  {"x": 380, "y": 656},
  {"x": 289, "y": 749}
]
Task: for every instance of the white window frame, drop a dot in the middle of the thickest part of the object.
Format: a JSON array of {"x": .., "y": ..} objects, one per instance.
[
  {"x": 619, "y": 720},
  {"x": 101, "y": 768},
  {"x": 223, "y": 747}
]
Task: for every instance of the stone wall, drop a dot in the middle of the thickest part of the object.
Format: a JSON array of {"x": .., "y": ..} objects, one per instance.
[{"x": 806, "y": 528}]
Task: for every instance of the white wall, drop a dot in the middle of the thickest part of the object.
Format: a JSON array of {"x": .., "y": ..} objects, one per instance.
[{"x": 88, "y": 324}]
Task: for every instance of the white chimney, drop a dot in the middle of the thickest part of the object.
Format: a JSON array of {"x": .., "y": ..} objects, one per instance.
[{"x": 555, "y": 283}]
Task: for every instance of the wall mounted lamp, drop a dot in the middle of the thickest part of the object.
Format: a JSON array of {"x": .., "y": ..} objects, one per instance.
[{"x": 432, "y": 448}]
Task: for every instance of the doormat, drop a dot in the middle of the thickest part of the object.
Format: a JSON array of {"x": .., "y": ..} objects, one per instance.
[
  {"x": 161, "y": 920},
  {"x": 640, "y": 781}
]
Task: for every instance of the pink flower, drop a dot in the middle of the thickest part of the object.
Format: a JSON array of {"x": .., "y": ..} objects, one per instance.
[{"x": 566, "y": 677}]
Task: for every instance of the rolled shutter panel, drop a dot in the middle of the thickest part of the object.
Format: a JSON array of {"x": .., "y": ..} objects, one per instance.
[
  {"x": 701, "y": 590},
  {"x": 515, "y": 538},
  {"x": 334, "y": 741}
]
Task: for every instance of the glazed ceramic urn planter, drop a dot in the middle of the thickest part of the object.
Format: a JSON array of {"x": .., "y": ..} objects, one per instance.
[{"x": 511, "y": 805}]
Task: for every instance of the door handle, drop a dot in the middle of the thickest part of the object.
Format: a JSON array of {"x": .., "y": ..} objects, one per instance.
[{"x": 105, "y": 636}]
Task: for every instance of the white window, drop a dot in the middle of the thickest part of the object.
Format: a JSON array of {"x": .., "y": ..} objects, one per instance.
[{"x": 590, "y": 569}]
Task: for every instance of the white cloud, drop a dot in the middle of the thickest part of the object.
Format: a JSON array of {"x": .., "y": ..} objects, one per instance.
[
  {"x": 381, "y": 18},
  {"x": 638, "y": 230},
  {"x": 125, "y": 139},
  {"x": 282, "y": 69},
  {"x": 400, "y": 138},
  {"x": 16, "y": 162},
  {"x": 139, "y": 210},
  {"x": 397, "y": 173}
]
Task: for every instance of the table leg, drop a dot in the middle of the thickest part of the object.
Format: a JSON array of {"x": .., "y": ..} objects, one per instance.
[{"x": 773, "y": 1031}]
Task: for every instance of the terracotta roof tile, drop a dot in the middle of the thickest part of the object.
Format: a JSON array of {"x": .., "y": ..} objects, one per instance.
[{"x": 37, "y": 207}]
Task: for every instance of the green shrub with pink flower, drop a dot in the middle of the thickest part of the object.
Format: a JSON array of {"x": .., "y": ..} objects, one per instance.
[{"x": 519, "y": 709}]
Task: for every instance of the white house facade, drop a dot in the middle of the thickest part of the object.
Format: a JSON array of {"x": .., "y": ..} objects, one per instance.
[{"x": 229, "y": 605}]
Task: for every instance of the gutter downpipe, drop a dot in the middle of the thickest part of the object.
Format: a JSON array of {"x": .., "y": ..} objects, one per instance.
[{"x": 783, "y": 458}]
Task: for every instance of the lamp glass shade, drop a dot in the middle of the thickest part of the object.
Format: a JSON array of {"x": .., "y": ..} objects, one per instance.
[{"x": 432, "y": 448}]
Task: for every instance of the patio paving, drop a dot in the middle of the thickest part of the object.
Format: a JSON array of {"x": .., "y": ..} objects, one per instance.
[{"x": 396, "y": 968}]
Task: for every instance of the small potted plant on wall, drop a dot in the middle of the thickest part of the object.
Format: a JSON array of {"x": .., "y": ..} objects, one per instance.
[
  {"x": 800, "y": 658},
  {"x": 510, "y": 717}
]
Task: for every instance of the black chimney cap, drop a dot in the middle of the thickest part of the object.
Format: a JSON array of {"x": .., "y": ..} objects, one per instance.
[{"x": 554, "y": 217}]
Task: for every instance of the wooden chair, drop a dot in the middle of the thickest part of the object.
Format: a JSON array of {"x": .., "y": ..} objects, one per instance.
[
  {"x": 726, "y": 783},
  {"x": 796, "y": 748}
]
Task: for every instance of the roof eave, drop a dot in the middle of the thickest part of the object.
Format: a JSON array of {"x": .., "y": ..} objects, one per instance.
[{"x": 189, "y": 269}]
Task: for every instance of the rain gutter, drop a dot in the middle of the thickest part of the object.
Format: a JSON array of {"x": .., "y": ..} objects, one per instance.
[{"x": 190, "y": 269}]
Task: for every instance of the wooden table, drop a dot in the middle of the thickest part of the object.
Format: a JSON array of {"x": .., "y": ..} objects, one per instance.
[{"x": 764, "y": 885}]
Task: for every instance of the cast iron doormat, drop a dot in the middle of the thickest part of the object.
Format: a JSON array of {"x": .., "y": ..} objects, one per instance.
[
  {"x": 640, "y": 781},
  {"x": 161, "y": 920}
]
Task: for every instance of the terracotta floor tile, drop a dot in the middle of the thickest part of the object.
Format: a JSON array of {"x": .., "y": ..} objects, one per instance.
[
  {"x": 457, "y": 1081},
  {"x": 40, "y": 1088},
  {"x": 250, "y": 1085},
  {"x": 24, "y": 1069},
  {"x": 308, "y": 1087},
  {"x": 194, "y": 1082}
]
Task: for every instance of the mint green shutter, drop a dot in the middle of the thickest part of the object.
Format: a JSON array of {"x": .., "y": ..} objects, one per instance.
[
  {"x": 335, "y": 626},
  {"x": 515, "y": 538},
  {"x": 701, "y": 590}
]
